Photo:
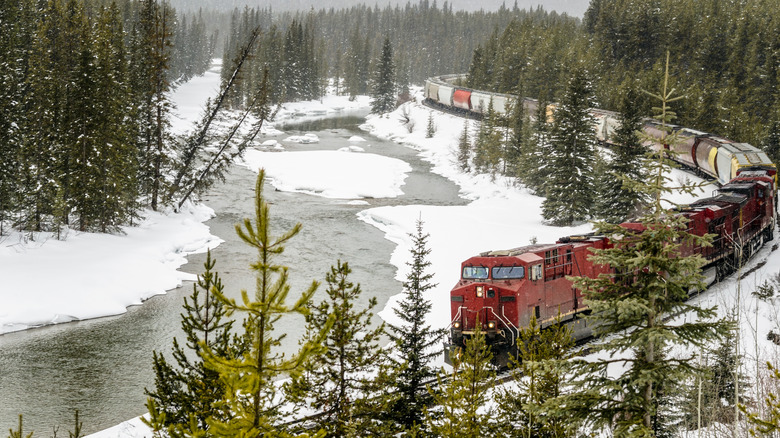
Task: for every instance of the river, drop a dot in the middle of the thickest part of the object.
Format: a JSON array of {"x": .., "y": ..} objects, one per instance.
[{"x": 102, "y": 366}]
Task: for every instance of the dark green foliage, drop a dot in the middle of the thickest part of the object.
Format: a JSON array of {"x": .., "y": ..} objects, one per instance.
[
  {"x": 569, "y": 183},
  {"x": 464, "y": 149},
  {"x": 430, "y": 130},
  {"x": 187, "y": 390},
  {"x": 616, "y": 202},
  {"x": 534, "y": 165},
  {"x": 649, "y": 280},
  {"x": 462, "y": 395},
  {"x": 488, "y": 145},
  {"x": 383, "y": 91},
  {"x": 415, "y": 341},
  {"x": 339, "y": 382},
  {"x": 726, "y": 55},
  {"x": 527, "y": 407}
]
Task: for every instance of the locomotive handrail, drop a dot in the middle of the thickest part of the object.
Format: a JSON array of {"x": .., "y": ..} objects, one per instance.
[{"x": 506, "y": 323}]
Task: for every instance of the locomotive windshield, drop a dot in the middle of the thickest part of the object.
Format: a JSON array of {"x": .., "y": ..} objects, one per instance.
[
  {"x": 508, "y": 272},
  {"x": 475, "y": 273}
]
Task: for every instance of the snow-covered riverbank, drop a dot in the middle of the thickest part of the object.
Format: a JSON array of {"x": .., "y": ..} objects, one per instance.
[{"x": 86, "y": 276}]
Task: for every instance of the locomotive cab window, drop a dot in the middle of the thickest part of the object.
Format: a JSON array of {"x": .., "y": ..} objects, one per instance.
[
  {"x": 536, "y": 272},
  {"x": 508, "y": 272},
  {"x": 475, "y": 273}
]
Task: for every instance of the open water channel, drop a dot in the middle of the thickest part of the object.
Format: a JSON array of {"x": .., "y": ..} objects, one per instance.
[{"x": 102, "y": 366}]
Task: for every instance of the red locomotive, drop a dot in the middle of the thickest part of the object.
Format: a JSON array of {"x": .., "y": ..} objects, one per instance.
[{"x": 503, "y": 289}]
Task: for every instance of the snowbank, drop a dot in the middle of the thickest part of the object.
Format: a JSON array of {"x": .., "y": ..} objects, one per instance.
[{"x": 331, "y": 174}]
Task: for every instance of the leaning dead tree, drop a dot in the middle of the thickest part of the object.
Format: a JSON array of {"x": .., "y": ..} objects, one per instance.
[{"x": 204, "y": 158}]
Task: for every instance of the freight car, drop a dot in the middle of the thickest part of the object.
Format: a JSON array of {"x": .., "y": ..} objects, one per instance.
[
  {"x": 706, "y": 154},
  {"x": 504, "y": 289}
]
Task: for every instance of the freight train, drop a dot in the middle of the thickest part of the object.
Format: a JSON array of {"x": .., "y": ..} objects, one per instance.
[
  {"x": 705, "y": 154},
  {"x": 503, "y": 290}
]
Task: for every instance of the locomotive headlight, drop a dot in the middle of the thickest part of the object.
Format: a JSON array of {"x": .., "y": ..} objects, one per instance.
[
  {"x": 492, "y": 325},
  {"x": 456, "y": 324},
  {"x": 480, "y": 291}
]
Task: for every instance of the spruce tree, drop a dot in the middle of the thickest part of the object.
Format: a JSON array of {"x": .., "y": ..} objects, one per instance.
[
  {"x": 251, "y": 393},
  {"x": 415, "y": 340},
  {"x": 616, "y": 202},
  {"x": 569, "y": 185},
  {"x": 649, "y": 280},
  {"x": 339, "y": 382},
  {"x": 383, "y": 92},
  {"x": 430, "y": 130},
  {"x": 487, "y": 145},
  {"x": 463, "y": 394},
  {"x": 536, "y": 152},
  {"x": 186, "y": 390},
  {"x": 464, "y": 149}
]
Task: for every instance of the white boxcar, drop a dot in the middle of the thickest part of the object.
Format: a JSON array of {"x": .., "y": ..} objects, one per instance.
[{"x": 445, "y": 94}]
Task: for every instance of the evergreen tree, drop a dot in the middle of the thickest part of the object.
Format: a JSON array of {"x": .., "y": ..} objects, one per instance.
[
  {"x": 187, "y": 391},
  {"x": 616, "y": 202},
  {"x": 569, "y": 186},
  {"x": 461, "y": 403},
  {"x": 516, "y": 135},
  {"x": 536, "y": 151},
  {"x": 150, "y": 61},
  {"x": 414, "y": 339},
  {"x": 538, "y": 380},
  {"x": 430, "y": 130},
  {"x": 338, "y": 383},
  {"x": 649, "y": 279},
  {"x": 383, "y": 92},
  {"x": 487, "y": 145},
  {"x": 464, "y": 149},
  {"x": 251, "y": 394}
]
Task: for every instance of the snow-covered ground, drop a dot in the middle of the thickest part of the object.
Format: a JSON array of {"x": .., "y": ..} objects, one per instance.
[{"x": 84, "y": 273}]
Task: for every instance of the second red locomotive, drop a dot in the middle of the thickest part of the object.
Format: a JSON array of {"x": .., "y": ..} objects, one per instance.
[{"x": 504, "y": 289}]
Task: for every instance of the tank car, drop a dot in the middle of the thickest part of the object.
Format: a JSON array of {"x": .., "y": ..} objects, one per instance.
[{"x": 504, "y": 289}]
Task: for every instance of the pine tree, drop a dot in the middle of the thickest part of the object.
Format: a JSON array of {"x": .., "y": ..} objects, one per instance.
[
  {"x": 430, "y": 130},
  {"x": 383, "y": 92},
  {"x": 616, "y": 202},
  {"x": 461, "y": 403},
  {"x": 338, "y": 383},
  {"x": 536, "y": 151},
  {"x": 150, "y": 61},
  {"x": 569, "y": 186},
  {"x": 487, "y": 145},
  {"x": 414, "y": 339},
  {"x": 464, "y": 149},
  {"x": 650, "y": 279},
  {"x": 187, "y": 391},
  {"x": 251, "y": 393}
]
